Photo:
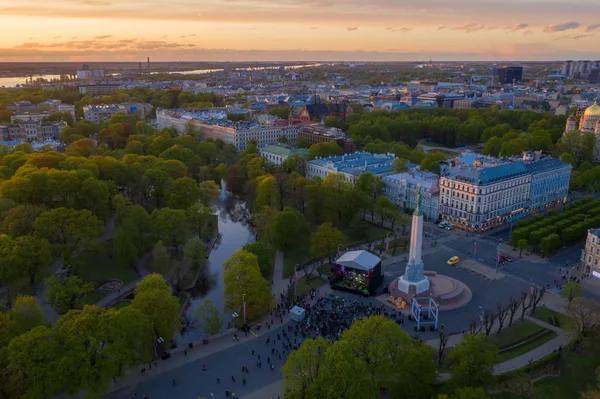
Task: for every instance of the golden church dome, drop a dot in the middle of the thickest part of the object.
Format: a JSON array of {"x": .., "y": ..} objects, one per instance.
[{"x": 594, "y": 110}]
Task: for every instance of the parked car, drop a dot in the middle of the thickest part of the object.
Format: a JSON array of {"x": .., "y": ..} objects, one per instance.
[
  {"x": 450, "y": 227},
  {"x": 505, "y": 258},
  {"x": 442, "y": 225},
  {"x": 453, "y": 260}
]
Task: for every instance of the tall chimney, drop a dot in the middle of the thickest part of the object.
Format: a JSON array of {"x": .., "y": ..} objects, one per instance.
[{"x": 148, "y": 62}]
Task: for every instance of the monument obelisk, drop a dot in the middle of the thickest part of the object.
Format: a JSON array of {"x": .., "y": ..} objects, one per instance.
[{"x": 414, "y": 282}]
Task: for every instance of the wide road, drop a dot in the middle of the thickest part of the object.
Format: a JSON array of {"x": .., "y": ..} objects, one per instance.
[{"x": 191, "y": 382}]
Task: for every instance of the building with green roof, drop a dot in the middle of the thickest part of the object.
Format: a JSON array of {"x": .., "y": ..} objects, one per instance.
[{"x": 276, "y": 154}]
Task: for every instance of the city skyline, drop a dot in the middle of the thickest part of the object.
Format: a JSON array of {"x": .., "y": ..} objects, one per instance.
[{"x": 293, "y": 30}]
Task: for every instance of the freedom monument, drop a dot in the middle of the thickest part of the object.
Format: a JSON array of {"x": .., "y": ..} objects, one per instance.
[{"x": 447, "y": 292}]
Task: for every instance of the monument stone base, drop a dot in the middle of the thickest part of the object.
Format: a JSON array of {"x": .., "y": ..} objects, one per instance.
[
  {"x": 449, "y": 293},
  {"x": 413, "y": 287}
]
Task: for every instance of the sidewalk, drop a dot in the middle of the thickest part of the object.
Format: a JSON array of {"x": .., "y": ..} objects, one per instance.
[{"x": 127, "y": 289}]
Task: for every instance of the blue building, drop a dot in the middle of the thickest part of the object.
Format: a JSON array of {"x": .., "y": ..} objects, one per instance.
[
  {"x": 401, "y": 189},
  {"x": 351, "y": 165},
  {"x": 549, "y": 180},
  {"x": 479, "y": 192}
]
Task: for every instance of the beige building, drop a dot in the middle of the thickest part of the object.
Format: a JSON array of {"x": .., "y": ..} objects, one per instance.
[{"x": 590, "y": 256}]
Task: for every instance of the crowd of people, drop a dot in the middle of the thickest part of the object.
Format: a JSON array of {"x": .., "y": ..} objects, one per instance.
[{"x": 331, "y": 315}]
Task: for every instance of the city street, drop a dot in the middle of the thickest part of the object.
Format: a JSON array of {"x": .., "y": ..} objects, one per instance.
[{"x": 514, "y": 278}]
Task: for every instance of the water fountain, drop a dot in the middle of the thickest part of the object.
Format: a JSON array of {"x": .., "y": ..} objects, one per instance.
[{"x": 223, "y": 194}]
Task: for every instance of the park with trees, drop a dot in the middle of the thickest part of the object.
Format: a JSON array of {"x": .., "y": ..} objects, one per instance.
[{"x": 545, "y": 234}]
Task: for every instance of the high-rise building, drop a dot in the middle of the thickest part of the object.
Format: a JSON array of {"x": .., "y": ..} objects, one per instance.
[
  {"x": 580, "y": 69},
  {"x": 510, "y": 74}
]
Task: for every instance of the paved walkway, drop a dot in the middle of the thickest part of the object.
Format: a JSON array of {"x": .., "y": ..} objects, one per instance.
[
  {"x": 279, "y": 283},
  {"x": 127, "y": 289}
]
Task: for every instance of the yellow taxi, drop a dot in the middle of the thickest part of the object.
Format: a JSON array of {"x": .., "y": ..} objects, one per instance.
[{"x": 453, "y": 260}]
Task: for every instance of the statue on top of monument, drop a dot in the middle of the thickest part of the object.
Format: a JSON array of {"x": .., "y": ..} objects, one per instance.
[{"x": 417, "y": 211}]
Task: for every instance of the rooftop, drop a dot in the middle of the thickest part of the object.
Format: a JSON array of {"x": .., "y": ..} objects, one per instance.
[
  {"x": 595, "y": 232},
  {"x": 284, "y": 150},
  {"x": 358, "y": 163},
  {"x": 487, "y": 173},
  {"x": 427, "y": 180}
]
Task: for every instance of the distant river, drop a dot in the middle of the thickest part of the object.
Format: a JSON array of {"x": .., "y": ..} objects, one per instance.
[
  {"x": 17, "y": 81},
  {"x": 13, "y": 82}
]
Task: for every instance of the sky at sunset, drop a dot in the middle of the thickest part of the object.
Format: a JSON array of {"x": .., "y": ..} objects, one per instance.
[{"x": 248, "y": 30}]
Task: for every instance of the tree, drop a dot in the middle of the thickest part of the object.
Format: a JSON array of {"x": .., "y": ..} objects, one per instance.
[
  {"x": 264, "y": 255},
  {"x": 243, "y": 281},
  {"x": 171, "y": 226},
  {"x": 303, "y": 367},
  {"x": 32, "y": 257},
  {"x": 209, "y": 317},
  {"x": 125, "y": 252},
  {"x": 33, "y": 359},
  {"x": 282, "y": 139},
  {"x": 473, "y": 361},
  {"x": 19, "y": 220},
  {"x": 391, "y": 357},
  {"x": 267, "y": 192},
  {"x": 325, "y": 149},
  {"x": 161, "y": 260},
  {"x": 325, "y": 241},
  {"x": 302, "y": 142},
  {"x": 522, "y": 245},
  {"x": 209, "y": 191},
  {"x": 470, "y": 393},
  {"x": 71, "y": 231},
  {"x": 343, "y": 375},
  {"x": 571, "y": 291},
  {"x": 287, "y": 227},
  {"x": 156, "y": 183},
  {"x": 584, "y": 318},
  {"x": 99, "y": 344},
  {"x": 27, "y": 314},
  {"x": 82, "y": 147},
  {"x": 68, "y": 294},
  {"x": 184, "y": 193},
  {"x": 194, "y": 254},
  {"x": 200, "y": 217},
  {"x": 153, "y": 298},
  {"x": 280, "y": 112},
  {"x": 400, "y": 165}
]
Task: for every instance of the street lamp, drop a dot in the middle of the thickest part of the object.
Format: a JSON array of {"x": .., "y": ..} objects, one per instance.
[
  {"x": 244, "y": 307},
  {"x": 498, "y": 254},
  {"x": 295, "y": 279},
  {"x": 475, "y": 247}
]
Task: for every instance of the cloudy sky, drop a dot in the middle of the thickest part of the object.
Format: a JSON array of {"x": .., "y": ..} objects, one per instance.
[{"x": 231, "y": 30}]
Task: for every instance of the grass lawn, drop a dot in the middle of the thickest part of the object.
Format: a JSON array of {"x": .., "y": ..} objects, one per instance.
[
  {"x": 305, "y": 286},
  {"x": 94, "y": 296},
  {"x": 577, "y": 373},
  {"x": 515, "y": 333},
  {"x": 398, "y": 246},
  {"x": 544, "y": 314},
  {"x": 301, "y": 253},
  {"x": 368, "y": 231},
  {"x": 98, "y": 266},
  {"x": 122, "y": 304},
  {"x": 525, "y": 348},
  {"x": 298, "y": 255}
]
